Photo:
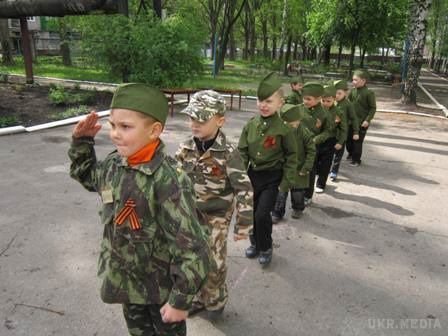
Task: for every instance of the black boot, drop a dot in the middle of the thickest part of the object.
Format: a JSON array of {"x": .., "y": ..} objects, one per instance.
[
  {"x": 251, "y": 251},
  {"x": 265, "y": 257}
]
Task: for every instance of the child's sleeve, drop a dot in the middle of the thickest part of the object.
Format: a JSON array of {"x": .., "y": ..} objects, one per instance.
[
  {"x": 310, "y": 151},
  {"x": 371, "y": 103},
  {"x": 351, "y": 113},
  {"x": 343, "y": 128},
  {"x": 243, "y": 148},
  {"x": 188, "y": 244},
  {"x": 84, "y": 167},
  {"x": 242, "y": 189},
  {"x": 328, "y": 126},
  {"x": 289, "y": 144}
]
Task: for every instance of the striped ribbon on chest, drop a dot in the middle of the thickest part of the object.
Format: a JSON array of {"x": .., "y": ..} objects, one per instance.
[{"x": 128, "y": 212}]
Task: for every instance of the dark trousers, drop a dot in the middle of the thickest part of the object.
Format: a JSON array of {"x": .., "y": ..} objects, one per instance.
[
  {"x": 145, "y": 320},
  {"x": 324, "y": 160},
  {"x": 265, "y": 184},
  {"x": 357, "y": 145},
  {"x": 310, "y": 190},
  {"x": 337, "y": 158},
  {"x": 354, "y": 147},
  {"x": 297, "y": 201}
]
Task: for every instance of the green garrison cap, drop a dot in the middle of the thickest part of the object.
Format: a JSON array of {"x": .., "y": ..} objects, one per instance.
[
  {"x": 329, "y": 91},
  {"x": 313, "y": 89},
  {"x": 341, "y": 84},
  {"x": 290, "y": 112},
  {"x": 141, "y": 98},
  {"x": 204, "y": 105},
  {"x": 268, "y": 86},
  {"x": 361, "y": 73},
  {"x": 296, "y": 79}
]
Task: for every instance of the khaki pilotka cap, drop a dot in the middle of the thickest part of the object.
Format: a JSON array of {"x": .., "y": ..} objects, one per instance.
[
  {"x": 290, "y": 112},
  {"x": 341, "y": 84},
  {"x": 313, "y": 89},
  {"x": 329, "y": 91},
  {"x": 268, "y": 86},
  {"x": 141, "y": 98},
  {"x": 361, "y": 73},
  {"x": 204, "y": 105},
  {"x": 296, "y": 79}
]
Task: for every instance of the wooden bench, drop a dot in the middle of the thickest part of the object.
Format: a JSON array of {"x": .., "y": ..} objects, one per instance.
[
  {"x": 173, "y": 92},
  {"x": 189, "y": 92}
]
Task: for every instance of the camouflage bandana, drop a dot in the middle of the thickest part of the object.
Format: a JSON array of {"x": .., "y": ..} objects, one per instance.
[{"x": 204, "y": 105}]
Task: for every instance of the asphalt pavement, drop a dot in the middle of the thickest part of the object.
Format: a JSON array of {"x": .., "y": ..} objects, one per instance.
[{"x": 368, "y": 257}]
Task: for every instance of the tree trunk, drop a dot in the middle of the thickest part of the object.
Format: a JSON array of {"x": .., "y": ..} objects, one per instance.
[
  {"x": 417, "y": 35},
  {"x": 64, "y": 42},
  {"x": 339, "y": 54},
  {"x": 295, "y": 53},
  {"x": 232, "y": 54},
  {"x": 274, "y": 48},
  {"x": 326, "y": 54},
  {"x": 6, "y": 43},
  {"x": 363, "y": 55},
  {"x": 287, "y": 56},
  {"x": 264, "y": 32},
  {"x": 352, "y": 58},
  {"x": 157, "y": 5}
]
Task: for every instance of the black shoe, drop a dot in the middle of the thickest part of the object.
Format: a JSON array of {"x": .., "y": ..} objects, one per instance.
[
  {"x": 265, "y": 257},
  {"x": 349, "y": 158},
  {"x": 251, "y": 252},
  {"x": 355, "y": 164},
  {"x": 296, "y": 214},
  {"x": 214, "y": 315}
]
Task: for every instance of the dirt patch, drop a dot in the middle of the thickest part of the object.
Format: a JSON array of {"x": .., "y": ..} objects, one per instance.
[{"x": 30, "y": 105}]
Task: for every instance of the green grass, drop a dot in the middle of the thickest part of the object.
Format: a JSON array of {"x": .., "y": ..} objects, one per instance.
[
  {"x": 7, "y": 121},
  {"x": 53, "y": 67},
  {"x": 71, "y": 112}
]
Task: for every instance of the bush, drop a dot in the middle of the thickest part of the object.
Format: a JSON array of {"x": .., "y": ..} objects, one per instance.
[
  {"x": 60, "y": 96},
  {"x": 163, "y": 53},
  {"x": 71, "y": 112},
  {"x": 7, "y": 121}
]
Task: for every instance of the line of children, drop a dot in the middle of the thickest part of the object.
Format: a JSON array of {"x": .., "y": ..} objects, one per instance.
[{"x": 219, "y": 178}]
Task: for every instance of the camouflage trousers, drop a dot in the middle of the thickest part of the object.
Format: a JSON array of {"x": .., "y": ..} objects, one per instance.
[
  {"x": 213, "y": 294},
  {"x": 145, "y": 320}
]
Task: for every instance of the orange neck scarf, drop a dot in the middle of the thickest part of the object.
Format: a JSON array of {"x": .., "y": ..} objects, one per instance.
[{"x": 143, "y": 155}]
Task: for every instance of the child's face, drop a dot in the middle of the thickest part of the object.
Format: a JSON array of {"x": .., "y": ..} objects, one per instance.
[
  {"x": 130, "y": 131},
  {"x": 340, "y": 95},
  {"x": 327, "y": 102},
  {"x": 296, "y": 86},
  {"x": 206, "y": 130},
  {"x": 311, "y": 101},
  {"x": 294, "y": 123},
  {"x": 270, "y": 105},
  {"x": 358, "y": 82}
]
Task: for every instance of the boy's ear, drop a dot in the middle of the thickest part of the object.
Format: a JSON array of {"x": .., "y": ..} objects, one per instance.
[
  {"x": 221, "y": 120},
  {"x": 157, "y": 129}
]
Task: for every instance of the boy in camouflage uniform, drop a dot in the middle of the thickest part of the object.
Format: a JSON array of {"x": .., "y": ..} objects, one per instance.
[
  {"x": 154, "y": 253},
  {"x": 269, "y": 151},
  {"x": 306, "y": 152},
  {"x": 216, "y": 169}
]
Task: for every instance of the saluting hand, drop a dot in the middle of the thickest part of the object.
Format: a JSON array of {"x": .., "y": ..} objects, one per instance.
[{"x": 87, "y": 126}]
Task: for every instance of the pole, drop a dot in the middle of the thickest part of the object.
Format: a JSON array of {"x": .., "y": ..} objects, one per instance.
[
  {"x": 26, "y": 47},
  {"x": 215, "y": 64}
]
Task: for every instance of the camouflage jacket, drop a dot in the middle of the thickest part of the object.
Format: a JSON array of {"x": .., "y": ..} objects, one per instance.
[
  {"x": 269, "y": 144},
  {"x": 219, "y": 177},
  {"x": 158, "y": 252}
]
